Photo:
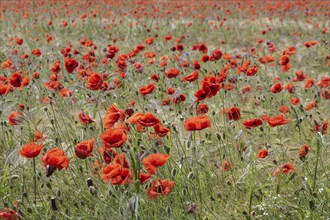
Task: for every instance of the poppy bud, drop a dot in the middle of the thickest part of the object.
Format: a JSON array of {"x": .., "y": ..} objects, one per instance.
[{"x": 50, "y": 170}]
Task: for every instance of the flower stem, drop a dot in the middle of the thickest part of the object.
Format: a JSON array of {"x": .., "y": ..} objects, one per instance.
[{"x": 35, "y": 181}]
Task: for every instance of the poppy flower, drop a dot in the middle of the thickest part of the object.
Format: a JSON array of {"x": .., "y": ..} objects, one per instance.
[
  {"x": 170, "y": 91},
  {"x": 311, "y": 105},
  {"x": 321, "y": 128},
  {"x": 5, "y": 89},
  {"x": 283, "y": 109},
  {"x": 84, "y": 149},
  {"x": 114, "y": 137},
  {"x": 36, "y": 52},
  {"x": 134, "y": 118},
  {"x": 309, "y": 83},
  {"x": 276, "y": 120},
  {"x": 113, "y": 115},
  {"x": 15, "y": 79},
  {"x": 85, "y": 118},
  {"x": 197, "y": 123},
  {"x": 65, "y": 92},
  {"x": 202, "y": 109},
  {"x": 171, "y": 73},
  {"x": 246, "y": 89},
  {"x": 19, "y": 41},
  {"x": 324, "y": 82},
  {"x": 161, "y": 130},
  {"x": 303, "y": 151},
  {"x": 145, "y": 90},
  {"x": 276, "y": 88},
  {"x": 107, "y": 154},
  {"x": 144, "y": 177},
  {"x": 252, "y": 123},
  {"x": 15, "y": 118},
  {"x": 56, "y": 67},
  {"x": 153, "y": 161},
  {"x": 70, "y": 64},
  {"x": 226, "y": 165},
  {"x": 160, "y": 187},
  {"x": 116, "y": 174},
  {"x": 38, "y": 136},
  {"x": 9, "y": 214},
  {"x": 94, "y": 82},
  {"x": 55, "y": 159},
  {"x": 191, "y": 77},
  {"x": 234, "y": 113},
  {"x": 300, "y": 76},
  {"x": 295, "y": 101},
  {"x": 150, "y": 40},
  {"x": 284, "y": 60},
  {"x": 262, "y": 153},
  {"x": 30, "y": 150},
  {"x": 148, "y": 120},
  {"x": 285, "y": 169},
  {"x": 289, "y": 87},
  {"x": 179, "y": 98}
]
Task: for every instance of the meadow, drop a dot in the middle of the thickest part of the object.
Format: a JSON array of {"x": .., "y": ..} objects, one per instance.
[{"x": 164, "y": 109}]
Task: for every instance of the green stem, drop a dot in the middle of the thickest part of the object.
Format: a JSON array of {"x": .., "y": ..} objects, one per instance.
[{"x": 35, "y": 181}]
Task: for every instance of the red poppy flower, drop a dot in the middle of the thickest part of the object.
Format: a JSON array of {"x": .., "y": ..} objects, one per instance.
[
  {"x": 300, "y": 76},
  {"x": 94, "y": 82},
  {"x": 36, "y": 52},
  {"x": 276, "y": 88},
  {"x": 15, "y": 118},
  {"x": 262, "y": 153},
  {"x": 234, "y": 113},
  {"x": 38, "y": 136},
  {"x": 276, "y": 120},
  {"x": 303, "y": 151},
  {"x": 30, "y": 150},
  {"x": 114, "y": 137},
  {"x": 70, "y": 64},
  {"x": 134, "y": 118},
  {"x": 144, "y": 177},
  {"x": 9, "y": 214},
  {"x": 107, "y": 154},
  {"x": 19, "y": 41},
  {"x": 161, "y": 130},
  {"x": 65, "y": 92},
  {"x": 148, "y": 120},
  {"x": 145, "y": 90},
  {"x": 309, "y": 83},
  {"x": 202, "y": 109},
  {"x": 5, "y": 89},
  {"x": 150, "y": 40},
  {"x": 160, "y": 187},
  {"x": 171, "y": 73},
  {"x": 197, "y": 123},
  {"x": 153, "y": 161},
  {"x": 117, "y": 174},
  {"x": 191, "y": 77},
  {"x": 113, "y": 115},
  {"x": 252, "y": 123},
  {"x": 56, "y": 67},
  {"x": 55, "y": 159},
  {"x": 227, "y": 165},
  {"x": 284, "y": 60},
  {"x": 285, "y": 169},
  {"x": 84, "y": 149},
  {"x": 295, "y": 101},
  {"x": 311, "y": 105},
  {"x": 324, "y": 82},
  {"x": 321, "y": 128},
  {"x": 85, "y": 118},
  {"x": 15, "y": 79},
  {"x": 283, "y": 109}
]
